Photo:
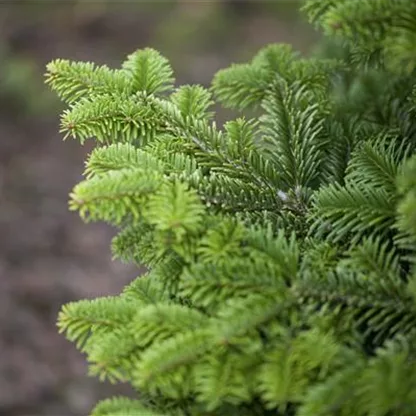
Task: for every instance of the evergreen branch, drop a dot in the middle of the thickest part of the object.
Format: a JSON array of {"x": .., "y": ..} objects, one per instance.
[
  {"x": 107, "y": 363},
  {"x": 173, "y": 374},
  {"x": 406, "y": 220},
  {"x": 193, "y": 100},
  {"x": 353, "y": 211},
  {"x": 379, "y": 389},
  {"x": 365, "y": 305},
  {"x": 75, "y": 80},
  {"x": 209, "y": 285},
  {"x": 225, "y": 377},
  {"x": 146, "y": 289},
  {"x": 292, "y": 131},
  {"x": 176, "y": 209},
  {"x": 241, "y": 86},
  {"x": 80, "y": 319},
  {"x": 376, "y": 260},
  {"x": 282, "y": 252},
  {"x": 337, "y": 393},
  {"x": 148, "y": 71},
  {"x": 375, "y": 164},
  {"x": 118, "y": 157},
  {"x": 120, "y": 406},
  {"x": 277, "y": 59},
  {"x": 221, "y": 242},
  {"x": 169, "y": 271},
  {"x": 159, "y": 322},
  {"x": 110, "y": 119},
  {"x": 135, "y": 243},
  {"x": 229, "y": 195},
  {"x": 239, "y": 317},
  {"x": 370, "y": 21},
  {"x": 317, "y": 9},
  {"x": 115, "y": 195},
  {"x": 218, "y": 152},
  {"x": 246, "y": 85},
  {"x": 290, "y": 366},
  {"x": 182, "y": 166}
]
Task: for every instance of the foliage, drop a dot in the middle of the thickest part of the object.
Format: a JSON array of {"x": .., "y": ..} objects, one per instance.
[{"x": 280, "y": 251}]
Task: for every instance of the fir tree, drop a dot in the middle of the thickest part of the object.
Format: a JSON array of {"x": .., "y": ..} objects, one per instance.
[{"x": 280, "y": 249}]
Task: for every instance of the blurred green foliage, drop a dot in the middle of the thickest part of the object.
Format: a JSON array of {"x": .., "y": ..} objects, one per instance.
[{"x": 21, "y": 90}]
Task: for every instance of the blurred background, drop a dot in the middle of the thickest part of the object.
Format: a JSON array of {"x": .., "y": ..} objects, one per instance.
[{"x": 47, "y": 255}]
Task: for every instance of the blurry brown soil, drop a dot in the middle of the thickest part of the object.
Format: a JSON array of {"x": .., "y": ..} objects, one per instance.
[{"x": 47, "y": 255}]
